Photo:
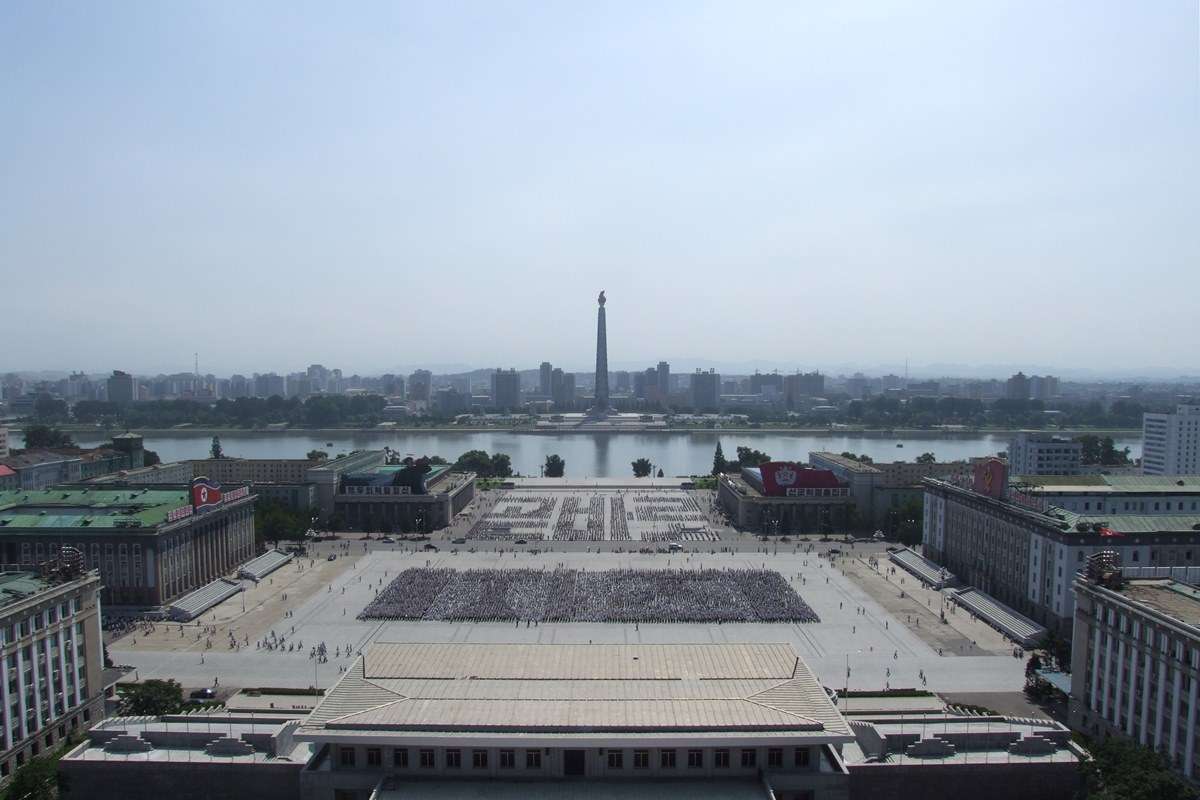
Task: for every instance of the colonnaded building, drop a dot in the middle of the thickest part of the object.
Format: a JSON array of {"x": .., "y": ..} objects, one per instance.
[
  {"x": 1136, "y": 656},
  {"x": 150, "y": 545},
  {"x": 782, "y": 497}
]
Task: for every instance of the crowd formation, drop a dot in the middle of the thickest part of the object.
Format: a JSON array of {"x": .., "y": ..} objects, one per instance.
[{"x": 569, "y": 595}]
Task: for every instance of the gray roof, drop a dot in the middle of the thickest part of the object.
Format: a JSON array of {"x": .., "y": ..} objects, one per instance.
[{"x": 568, "y": 689}]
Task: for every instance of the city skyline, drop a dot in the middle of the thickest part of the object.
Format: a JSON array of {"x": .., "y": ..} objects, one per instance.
[{"x": 891, "y": 182}]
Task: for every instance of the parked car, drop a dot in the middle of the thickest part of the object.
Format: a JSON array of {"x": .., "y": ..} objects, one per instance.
[
  {"x": 203, "y": 694},
  {"x": 387, "y": 540},
  {"x": 459, "y": 540},
  {"x": 521, "y": 541},
  {"x": 430, "y": 546}
]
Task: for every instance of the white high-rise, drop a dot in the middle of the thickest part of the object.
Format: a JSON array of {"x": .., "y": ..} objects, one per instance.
[{"x": 1171, "y": 442}]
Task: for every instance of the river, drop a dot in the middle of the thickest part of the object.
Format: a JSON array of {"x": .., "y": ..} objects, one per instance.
[{"x": 600, "y": 455}]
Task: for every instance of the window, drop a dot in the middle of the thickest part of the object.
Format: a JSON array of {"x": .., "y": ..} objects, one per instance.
[
  {"x": 800, "y": 758},
  {"x": 508, "y": 759},
  {"x": 616, "y": 759},
  {"x": 479, "y": 759},
  {"x": 695, "y": 759},
  {"x": 641, "y": 759},
  {"x": 721, "y": 759},
  {"x": 667, "y": 759},
  {"x": 749, "y": 759},
  {"x": 374, "y": 757},
  {"x": 533, "y": 759},
  {"x": 453, "y": 759},
  {"x": 425, "y": 759},
  {"x": 400, "y": 758},
  {"x": 346, "y": 757},
  {"x": 775, "y": 757}
]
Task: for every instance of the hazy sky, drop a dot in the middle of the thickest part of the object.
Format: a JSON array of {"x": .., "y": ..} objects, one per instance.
[{"x": 373, "y": 185}]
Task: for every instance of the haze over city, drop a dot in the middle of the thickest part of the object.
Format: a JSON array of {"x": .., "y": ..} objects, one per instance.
[{"x": 796, "y": 185}]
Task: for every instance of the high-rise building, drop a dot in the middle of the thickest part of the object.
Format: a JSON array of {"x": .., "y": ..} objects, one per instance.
[
  {"x": 3, "y": 442},
  {"x": 1017, "y": 387},
  {"x": 506, "y": 389},
  {"x": 239, "y": 386},
  {"x": 1043, "y": 387},
  {"x": 52, "y": 655},
  {"x": 420, "y": 385},
  {"x": 664, "y": 380},
  {"x": 799, "y": 385},
  {"x": 270, "y": 385},
  {"x": 1171, "y": 442},
  {"x": 706, "y": 390},
  {"x": 766, "y": 384},
  {"x": 1044, "y": 454},
  {"x": 563, "y": 390},
  {"x": 122, "y": 389},
  {"x": 545, "y": 379},
  {"x": 622, "y": 381}
]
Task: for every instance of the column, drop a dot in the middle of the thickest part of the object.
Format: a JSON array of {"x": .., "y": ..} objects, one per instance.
[
  {"x": 1190, "y": 742},
  {"x": 1146, "y": 681},
  {"x": 1174, "y": 715},
  {"x": 37, "y": 691},
  {"x": 63, "y": 632},
  {"x": 1158, "y": 711},
  {"x": 1092, "y": 699},
  {"x": 7, "y": 701},
  {"x": 1118, "y": 683},
  {"x": 1104, "y": 684},
  {"x": 21, "y": 691},
  {"x": 1133, "y": 685}
]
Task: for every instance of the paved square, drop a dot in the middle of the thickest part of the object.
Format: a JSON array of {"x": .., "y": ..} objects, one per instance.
[{"x": 858, "y": 642}]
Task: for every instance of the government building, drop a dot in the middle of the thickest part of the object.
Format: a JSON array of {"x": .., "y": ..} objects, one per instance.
[
  {"x": 149, "y": 545},
  {"x": 780, "y": 497}
]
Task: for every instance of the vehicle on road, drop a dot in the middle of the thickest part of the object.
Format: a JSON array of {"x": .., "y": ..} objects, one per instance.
[
  {"x": 387, "y": 540},
  {"x": 521, "y": 541},
  {"x": 459, "y": 540},
  {"x": 202, "y": 694},
  {"x": 332, "y": 557},
  {"x": 430, "y": 546}
]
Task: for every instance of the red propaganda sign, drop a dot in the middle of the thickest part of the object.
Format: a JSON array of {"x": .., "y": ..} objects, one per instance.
[
  {"x": 236, "y": 494},
  {"x": 206, "y": 495},
  {"x": 176, "y": 514},
  {"x": 779, "y": 477},
  {"x": 991, "y": 477}
]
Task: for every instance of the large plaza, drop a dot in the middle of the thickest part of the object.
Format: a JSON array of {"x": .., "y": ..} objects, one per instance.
[{"x": 874, "y": 631}]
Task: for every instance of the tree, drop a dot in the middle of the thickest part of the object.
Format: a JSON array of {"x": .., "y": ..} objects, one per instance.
[
  {"x": 476, "y": 461},
  {"x": 719, "y": 463},
  {"x": 47, "y": 407},
  {"x": 150, "y": 458},
  {"x": 153, "y": 698},
  {"x": 215, "y": 451},
  {"x": 501, "y": 466},
  {"x": 749, "y": 457},
  {"x": 660, "y": 472},
  {"x": 38, "y": 779},
  {"x": 1123, "y": 770},
  {"x": 42, "y": 436},
  {"x": 642, "y": 467},
  {"x": 317, "y": 455},
  {"x": 555, "y": 466},
  {"x": 927, "y": 458}
]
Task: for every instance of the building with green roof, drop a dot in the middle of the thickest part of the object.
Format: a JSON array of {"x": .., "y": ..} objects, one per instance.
[{"x": 149, "y": 544}]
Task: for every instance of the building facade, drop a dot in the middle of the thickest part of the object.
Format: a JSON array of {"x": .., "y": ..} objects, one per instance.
[
  {"x": 50, "y": 643},
  {"x": 1171, "y": 442},
  {"x": 506, "y": 389},
  {"x": 1136, "y": 662},
  {"x": 781, "y": 498},
  {"x": 150, "y": 546},
  {"x": 706, "y": 390},
  {"x": 1044, "y": 454},
  {"x": 1025, "y": 554},
  {"x": 382, "y": 498},
  {"x": 405, "y": 716}
]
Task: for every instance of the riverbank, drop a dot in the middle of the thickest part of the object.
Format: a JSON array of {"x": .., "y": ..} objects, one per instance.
[{"x": 875, "y": 433}]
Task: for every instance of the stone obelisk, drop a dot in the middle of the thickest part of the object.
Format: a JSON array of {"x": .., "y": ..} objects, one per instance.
[{"x": 600, "y": 407}]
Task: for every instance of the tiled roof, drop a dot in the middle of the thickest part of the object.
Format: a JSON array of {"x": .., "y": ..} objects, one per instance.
[{"x": 567, "y": 689}]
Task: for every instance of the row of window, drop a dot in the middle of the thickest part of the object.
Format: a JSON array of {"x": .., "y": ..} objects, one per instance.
[
  {"x": 42, "y": 619},
  {"x": 453, "y": 758}
]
